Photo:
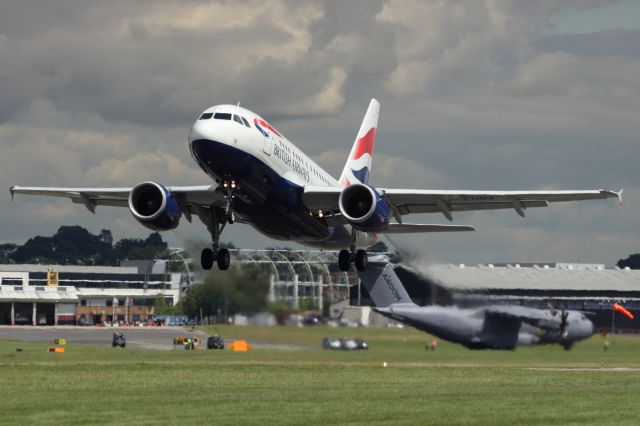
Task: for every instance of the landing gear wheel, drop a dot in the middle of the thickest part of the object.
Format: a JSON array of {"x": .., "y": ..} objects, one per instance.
[
  {"x": 361, "y": 260},
  {"x": 344, "y": 260},
  {"x": 223, "y": 259},
  {"x": 206, "y": 259},
  {"x": 231, "y": 218}
]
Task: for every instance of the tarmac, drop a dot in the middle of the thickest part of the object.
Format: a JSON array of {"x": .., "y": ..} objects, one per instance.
[{"x": 159, "y": 338}]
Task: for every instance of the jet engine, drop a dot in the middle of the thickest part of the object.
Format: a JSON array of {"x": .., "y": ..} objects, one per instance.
[
  {"x": 154, "y": 207},
  {"x": 364, "y": 208}
]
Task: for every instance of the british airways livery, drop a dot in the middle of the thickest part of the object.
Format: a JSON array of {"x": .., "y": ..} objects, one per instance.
[{"x": 262, "y": 179}]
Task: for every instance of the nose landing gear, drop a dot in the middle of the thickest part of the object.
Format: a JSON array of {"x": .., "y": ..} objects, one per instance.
[{"x": 216, "y": 218}]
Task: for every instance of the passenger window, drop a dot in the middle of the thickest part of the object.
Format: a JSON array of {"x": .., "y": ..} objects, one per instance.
[
  {"x": 222, "y": 116},
  {"x": 206, "y": 116},
  {"x": 246, "y": 123},
  {"x": 237, "y": 120}
]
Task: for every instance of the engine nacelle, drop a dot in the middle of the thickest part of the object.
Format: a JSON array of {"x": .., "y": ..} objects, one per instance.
[
  {"x": 154, "y": 207},
  {"x": 364, "y": 208}
]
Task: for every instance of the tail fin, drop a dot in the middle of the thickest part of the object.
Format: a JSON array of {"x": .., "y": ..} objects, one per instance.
[
  {"x": 383, "y": 285},
  {"x": 358, "y": 165}
]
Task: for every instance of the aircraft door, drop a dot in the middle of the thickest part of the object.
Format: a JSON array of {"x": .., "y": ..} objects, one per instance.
[{"x": 268, "y": 142}]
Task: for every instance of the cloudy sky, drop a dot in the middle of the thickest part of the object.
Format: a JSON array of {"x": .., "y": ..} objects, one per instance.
[{"x": 482, "y": 94}]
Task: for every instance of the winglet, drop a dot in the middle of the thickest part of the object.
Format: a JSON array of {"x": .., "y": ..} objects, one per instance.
[
  {"x": 13, "y": 192},
  {"x": 619, "y": 194}
]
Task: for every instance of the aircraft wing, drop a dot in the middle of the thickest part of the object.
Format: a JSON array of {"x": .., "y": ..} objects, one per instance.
[
  {"x": 532, "y": 316},
  {"x": 517, "y": 312},
  {"x": 407, "y": 201},
  {"x": 190, "y": 197}
]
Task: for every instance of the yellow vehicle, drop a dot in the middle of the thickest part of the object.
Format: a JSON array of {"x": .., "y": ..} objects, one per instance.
[{"x": 188, "y": 342}]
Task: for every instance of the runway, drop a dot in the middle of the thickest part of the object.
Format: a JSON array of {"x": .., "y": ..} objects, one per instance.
[{"x": 159, "y": 338}]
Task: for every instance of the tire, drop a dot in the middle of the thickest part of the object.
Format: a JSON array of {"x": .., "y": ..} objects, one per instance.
[
  {"x": 224, "y": 259},
  {"x": 344, "y": 261},
  {"x": 361, "y": 260},
  {"x": 231, "y": 218},
  {"x": 206, "y": 259}
]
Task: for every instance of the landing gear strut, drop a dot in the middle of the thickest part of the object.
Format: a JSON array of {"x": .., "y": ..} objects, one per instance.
[
  {"x": 359, "y": 257},
  {"x": 216, "y": 219}
]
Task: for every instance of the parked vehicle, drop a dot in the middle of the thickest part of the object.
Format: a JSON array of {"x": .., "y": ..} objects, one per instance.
[
  {"x": 344, "y": 344},
  {"x": 362, "y": 344},
  {"x": 119, "y": 340},
  {"x": 215, "y": 342},
  {"x": 329, "y": 343},
  {"x": 187, "y": 342}
]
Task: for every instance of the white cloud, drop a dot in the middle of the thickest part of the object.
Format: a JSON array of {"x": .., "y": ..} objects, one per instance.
[{"x": 474, "y": 95}]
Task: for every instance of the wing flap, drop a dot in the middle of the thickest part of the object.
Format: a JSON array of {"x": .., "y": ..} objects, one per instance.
[
  {"x": 460, "y": 207},
  {"x": 414, "y": 228}
]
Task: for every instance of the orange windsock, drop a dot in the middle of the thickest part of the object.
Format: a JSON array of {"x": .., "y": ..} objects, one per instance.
[{"x": 622, "y": 310}]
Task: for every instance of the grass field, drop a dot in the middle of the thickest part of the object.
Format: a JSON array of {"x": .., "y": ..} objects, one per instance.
[{"x": 301, "y": 384}]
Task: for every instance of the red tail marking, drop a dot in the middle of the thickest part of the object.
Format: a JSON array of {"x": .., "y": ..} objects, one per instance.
[{"x": 364, "y": 145}]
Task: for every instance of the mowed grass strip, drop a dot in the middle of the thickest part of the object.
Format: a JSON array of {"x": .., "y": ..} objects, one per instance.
[{"x": 265, "y": 386}]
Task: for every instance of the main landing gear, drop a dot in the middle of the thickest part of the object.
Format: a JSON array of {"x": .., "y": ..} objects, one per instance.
[
  {"x": 216, "y": 219},
  {"x": 359, "y": 257}
]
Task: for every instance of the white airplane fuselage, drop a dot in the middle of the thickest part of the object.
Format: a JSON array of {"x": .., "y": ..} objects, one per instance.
[{"x": 231, "y": 142}]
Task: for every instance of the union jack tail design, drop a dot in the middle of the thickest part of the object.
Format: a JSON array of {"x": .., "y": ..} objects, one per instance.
[{"x": 358, "y": 165}]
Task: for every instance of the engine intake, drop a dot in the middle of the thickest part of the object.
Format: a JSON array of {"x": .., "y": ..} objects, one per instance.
[
  {"x": 364, "y": 208},
  {"x": 154, "y": 206}
]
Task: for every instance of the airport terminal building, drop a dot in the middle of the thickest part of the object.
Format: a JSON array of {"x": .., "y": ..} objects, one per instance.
[{"x": 66, "y": 294}]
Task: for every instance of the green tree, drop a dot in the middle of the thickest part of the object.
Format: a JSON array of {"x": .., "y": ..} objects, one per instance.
[
  {"x": 161, "y": 307},
  {"x": 237, "y": 290},
  {"x": 280, "y": 310},
  {"x": 6, "y": 250},
  {"x": 153, "y": 247},
  {"x": 631, "y": 262},
  {"x": 75, "y": 245},
  {"x": 307, "y": 304}
]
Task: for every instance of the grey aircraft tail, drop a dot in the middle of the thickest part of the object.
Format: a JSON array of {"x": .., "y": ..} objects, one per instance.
[{"x": 383, "y": 285}]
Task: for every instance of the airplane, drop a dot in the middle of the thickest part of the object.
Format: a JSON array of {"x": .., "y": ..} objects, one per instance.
[
  {"x": 487, "y": 327},
  {"x": 262, "y": 179}
]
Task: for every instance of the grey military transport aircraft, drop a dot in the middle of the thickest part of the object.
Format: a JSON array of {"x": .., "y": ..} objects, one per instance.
[{"x": 487, "y": 327}]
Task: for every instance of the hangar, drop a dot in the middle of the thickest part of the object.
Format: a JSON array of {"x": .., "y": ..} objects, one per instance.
[{"x": 586, "y": 287}]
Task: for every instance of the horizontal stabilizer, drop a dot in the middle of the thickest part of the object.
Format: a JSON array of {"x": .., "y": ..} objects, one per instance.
[{"x": 414, "y": 228}]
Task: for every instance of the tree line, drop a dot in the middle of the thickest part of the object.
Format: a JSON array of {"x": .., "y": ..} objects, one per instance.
[{"x": 74, "y": 245}]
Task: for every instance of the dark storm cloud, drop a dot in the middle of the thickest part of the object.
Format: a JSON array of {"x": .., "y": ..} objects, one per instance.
[{"x": 129, "y": 69}]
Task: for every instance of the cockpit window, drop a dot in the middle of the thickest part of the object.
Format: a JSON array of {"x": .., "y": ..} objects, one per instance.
[
  {"x": 206, "y": 116},
  {"x": 222, "y": 116},
  {"x": 237, "y": 120},
  {"x": 246, "y": 123}
]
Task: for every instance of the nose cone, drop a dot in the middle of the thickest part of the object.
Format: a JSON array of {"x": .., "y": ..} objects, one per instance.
[
  {"x": 205, "y": 130},
  {"x": 581, "y": 330}
]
